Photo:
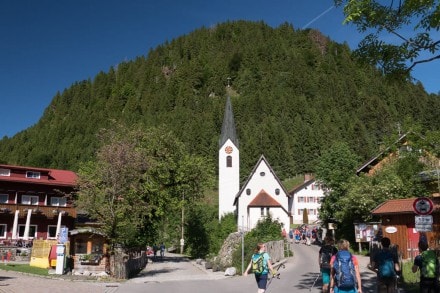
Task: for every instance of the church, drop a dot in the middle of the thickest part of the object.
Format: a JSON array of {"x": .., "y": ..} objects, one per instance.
[{"x": 261, "y": 195}]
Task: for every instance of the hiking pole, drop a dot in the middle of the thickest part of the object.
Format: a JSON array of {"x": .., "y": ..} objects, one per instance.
[
  {"x": 277, "y": 275},
  {"x": 314, "y": 282}
]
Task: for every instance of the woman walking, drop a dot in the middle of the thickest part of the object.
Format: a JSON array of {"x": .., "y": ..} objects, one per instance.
[{"x": 260, "y": 265}]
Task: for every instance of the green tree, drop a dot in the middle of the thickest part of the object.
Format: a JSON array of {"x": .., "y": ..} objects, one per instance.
[
  {"x": 138, "y": 178},
  {"x": 335, "y": 168},
  {"x": 305, "y": 216},
  {"x": 400, "y": 31}
]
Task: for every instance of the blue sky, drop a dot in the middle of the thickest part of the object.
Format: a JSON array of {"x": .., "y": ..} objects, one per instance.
[{"x": 47, "y": 45}]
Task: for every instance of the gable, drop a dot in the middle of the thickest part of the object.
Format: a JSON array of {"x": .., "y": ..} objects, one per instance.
[{"x": 263, "y": 199}]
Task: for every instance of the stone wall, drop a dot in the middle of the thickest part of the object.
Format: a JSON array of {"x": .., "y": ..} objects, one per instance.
[{"x": 275, "y": 249}]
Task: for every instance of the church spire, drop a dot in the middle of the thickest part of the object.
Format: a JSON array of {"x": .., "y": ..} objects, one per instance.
[{"x": 228, "y": 127}]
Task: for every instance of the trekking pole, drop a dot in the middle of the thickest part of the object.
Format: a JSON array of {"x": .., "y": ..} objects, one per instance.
[
  {"x": 314, "y": 282},
  {"x": 277, "y": 275}
]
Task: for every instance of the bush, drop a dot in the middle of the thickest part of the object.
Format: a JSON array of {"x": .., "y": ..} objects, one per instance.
[{"x": 265, "y": 231}]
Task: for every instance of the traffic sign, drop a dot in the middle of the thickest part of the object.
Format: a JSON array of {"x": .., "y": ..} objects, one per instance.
[{"x": 423, "y": 206}]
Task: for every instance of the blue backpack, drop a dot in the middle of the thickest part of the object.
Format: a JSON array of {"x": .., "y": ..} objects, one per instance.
[
  {"x": 386, "y": 265},
  {"x": 344, "y": 270}
]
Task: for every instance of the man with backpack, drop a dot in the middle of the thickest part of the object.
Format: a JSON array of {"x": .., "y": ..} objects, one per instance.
[
  {"x": 325, "y": 255},
  {"x": 386, "y": 265},
  {"x": 428, "y": 264},
  {"x": 345, "y": 275},
  {"x": 261, "y": 265}
]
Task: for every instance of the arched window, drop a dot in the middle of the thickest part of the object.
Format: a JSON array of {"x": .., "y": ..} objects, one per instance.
[{"x": 229, "y": 161}]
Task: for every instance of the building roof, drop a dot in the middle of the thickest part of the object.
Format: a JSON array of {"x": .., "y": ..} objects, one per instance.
[
  {"x": 374, "y": 160},
  {"x": 55, "y": 176},
  {"x": 228, "y": 127},
  {"x": 263, "y": 199},
  {"x": 261, "y": 160},
  {"x": 401, "y": 206},
  {"x": 301, "y": 186}
]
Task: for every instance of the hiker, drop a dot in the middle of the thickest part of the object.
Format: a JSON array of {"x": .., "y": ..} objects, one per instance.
[
  {"x": 386, "y": 265},
  {"x": 162, "y": 250},
  {"x": 427, "y": 263},
  {"x": 325, "y": 254},
  {"x": 260, "y": 265},
  {"x": 344, "y": 273}
]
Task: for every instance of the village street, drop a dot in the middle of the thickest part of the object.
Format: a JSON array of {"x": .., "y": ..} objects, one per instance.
[{"x": 177, "y": 274}]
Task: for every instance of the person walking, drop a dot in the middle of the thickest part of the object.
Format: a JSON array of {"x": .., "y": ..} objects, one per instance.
[
  {"x": 162, "y": 250},
  {"x": 261, "y": 265},
  {"x": 325, "y": 254},
  {"x": 428, "y": 265},
  {"x": 386, "y": 264},
  {"x": 344, "y": 273}
]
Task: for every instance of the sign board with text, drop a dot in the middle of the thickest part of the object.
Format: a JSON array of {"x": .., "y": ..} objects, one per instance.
[{"x": 423, "y": 223}]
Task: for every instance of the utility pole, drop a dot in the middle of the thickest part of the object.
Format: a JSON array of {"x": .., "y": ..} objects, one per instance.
[{"x": 182, "y": 239}]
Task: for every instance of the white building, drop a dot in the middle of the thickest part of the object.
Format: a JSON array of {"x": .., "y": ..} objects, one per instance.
[
  {"x": 307, "y": 195},
  {"x": 262, "y": 195}
]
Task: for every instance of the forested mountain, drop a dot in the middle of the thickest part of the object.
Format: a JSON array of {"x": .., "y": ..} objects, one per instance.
[{"x": 293, "y": 92}]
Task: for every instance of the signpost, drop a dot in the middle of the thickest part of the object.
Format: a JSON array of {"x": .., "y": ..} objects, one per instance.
[
  {"x": 423, "y": 220},
  {"x": 423, "y": 206}
]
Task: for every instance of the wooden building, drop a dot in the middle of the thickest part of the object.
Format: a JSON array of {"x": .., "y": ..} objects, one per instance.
[
  {"x": 398, "y": 224},
  {"x": 35, "y": 203}
]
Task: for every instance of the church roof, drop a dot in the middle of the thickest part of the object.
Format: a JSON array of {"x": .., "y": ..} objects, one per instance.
[
  {"x": 228, "y": 127},
  {"x": 260, "y": 161},
  {"x": 263, "y": 199}
]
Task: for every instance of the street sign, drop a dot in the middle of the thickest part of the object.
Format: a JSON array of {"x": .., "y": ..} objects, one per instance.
[
  {"x": 423, "y": 206},
  {"x": 423, "y": 223}
]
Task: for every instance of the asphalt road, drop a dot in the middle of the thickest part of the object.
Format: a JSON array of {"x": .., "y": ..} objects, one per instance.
[{"x": 176, "y": 274}]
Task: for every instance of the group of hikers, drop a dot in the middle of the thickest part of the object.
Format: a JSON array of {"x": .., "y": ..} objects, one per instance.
[
  {"x": 340, "y": 272},
  {"x": 153, "y": 250},
  {"x": 305, "y": 235}
]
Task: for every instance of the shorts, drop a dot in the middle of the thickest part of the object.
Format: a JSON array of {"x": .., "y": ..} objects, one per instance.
[
  {"x": 325, "y": 274},
  {"x": 261, "y": 280},
  {"x": 337, "y": 290},
  {"x": 386, "y": 284}
]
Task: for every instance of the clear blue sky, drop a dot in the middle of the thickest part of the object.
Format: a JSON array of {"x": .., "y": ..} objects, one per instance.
[{"x": 47, "y": 45}]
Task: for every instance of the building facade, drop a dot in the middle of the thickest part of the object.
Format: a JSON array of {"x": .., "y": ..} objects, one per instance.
[{"x": 35, "y": 203}]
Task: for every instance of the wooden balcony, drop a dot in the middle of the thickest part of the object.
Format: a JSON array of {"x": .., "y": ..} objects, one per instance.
[{"x": 48, "y": 211}]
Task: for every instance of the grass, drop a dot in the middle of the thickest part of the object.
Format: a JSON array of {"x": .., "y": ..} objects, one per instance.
[{"x": 24, "y": 268}]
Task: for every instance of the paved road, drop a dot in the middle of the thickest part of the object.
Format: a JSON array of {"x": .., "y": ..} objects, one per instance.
[{"x": 176, "y": 274}]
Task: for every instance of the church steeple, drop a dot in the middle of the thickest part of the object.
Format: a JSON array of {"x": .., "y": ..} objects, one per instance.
[
  {"x": 229, "y": 163},
  {"x": 228, "y": 127}
]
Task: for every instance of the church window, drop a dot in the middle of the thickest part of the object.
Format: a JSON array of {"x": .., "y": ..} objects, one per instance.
[
  {"x": 248, "y": 191},
  {"x": 229, "y": 161},
  {"x": 277, "y": 191},
  {"x": 262, "y": 174}
]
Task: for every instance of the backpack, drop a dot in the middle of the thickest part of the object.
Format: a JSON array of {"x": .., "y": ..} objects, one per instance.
[
  {"x": 258, "y": 263},
  {"x": 326, "y": 255},
  {"x": 344, "y": 270},
  {"x": 429, "y": 264},
  {"x": 386, "y": 265}
]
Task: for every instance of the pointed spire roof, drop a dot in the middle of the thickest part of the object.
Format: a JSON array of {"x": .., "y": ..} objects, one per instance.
[{"x": 228, "y": 127}]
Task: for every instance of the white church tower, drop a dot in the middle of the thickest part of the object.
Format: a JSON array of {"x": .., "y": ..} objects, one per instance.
[{"x": 229, "y": 163}]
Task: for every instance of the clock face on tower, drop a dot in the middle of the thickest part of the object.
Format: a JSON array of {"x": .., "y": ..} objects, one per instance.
[{"x": 228, "y": 149}]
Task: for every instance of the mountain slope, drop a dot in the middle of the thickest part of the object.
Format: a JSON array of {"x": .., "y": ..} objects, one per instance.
[{"x": 293, "y": 93}]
